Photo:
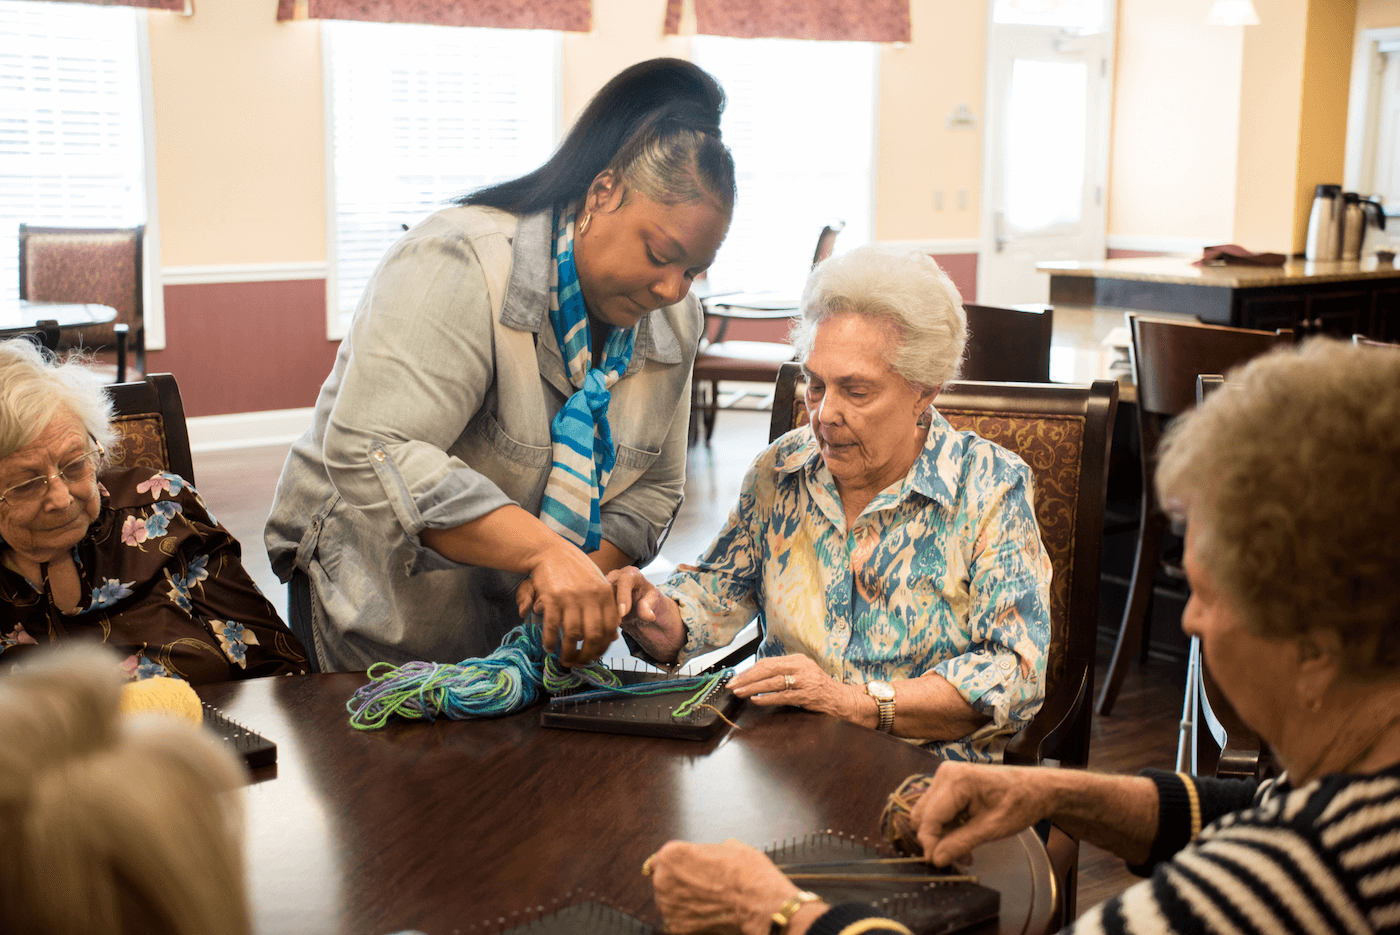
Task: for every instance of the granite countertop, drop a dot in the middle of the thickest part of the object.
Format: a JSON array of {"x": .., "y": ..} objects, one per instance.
[{"x": 1176, "y": 269}]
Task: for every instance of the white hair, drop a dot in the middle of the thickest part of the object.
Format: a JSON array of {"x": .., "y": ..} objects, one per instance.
[
  {"x": 110, "y": 823},
  {"x": 900, "y": 288},
  {"x": 34, "y": 391}
]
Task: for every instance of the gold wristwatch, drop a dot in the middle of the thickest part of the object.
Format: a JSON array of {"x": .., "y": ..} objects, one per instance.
[
  {"x": 883, "y": 693},
  {"x": 783, "y": 917}
]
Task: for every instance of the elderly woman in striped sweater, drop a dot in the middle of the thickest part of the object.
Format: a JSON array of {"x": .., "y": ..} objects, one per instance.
[{"x": 1289, "y": 482}]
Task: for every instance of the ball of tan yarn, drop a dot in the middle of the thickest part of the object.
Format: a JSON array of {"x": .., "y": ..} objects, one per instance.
[
  {"x": 895, "y": 823},
  {"x": 162, "y": 695}
]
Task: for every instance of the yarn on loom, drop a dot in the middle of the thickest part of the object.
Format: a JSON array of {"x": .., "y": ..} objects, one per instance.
[{"x": 508, "y": 680}]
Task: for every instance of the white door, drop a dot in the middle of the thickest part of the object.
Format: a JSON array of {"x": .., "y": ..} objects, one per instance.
[{"x": 1045, "y": 162}]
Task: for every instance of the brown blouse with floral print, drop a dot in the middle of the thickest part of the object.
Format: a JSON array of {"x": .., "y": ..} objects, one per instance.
[{"x": 162, "y": 584}]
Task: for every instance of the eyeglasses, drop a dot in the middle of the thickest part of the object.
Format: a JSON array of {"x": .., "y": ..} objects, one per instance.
[{"x": 78, "y": 471}]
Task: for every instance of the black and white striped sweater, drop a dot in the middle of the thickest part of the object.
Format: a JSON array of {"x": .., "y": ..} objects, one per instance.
[{"x": 1274, "y": 860}]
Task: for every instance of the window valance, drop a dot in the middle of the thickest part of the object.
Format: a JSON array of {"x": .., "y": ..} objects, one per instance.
[
  {"x": 850, "y": 20},
  {"x": 568, "y": 15},
  {"x": 177, "y": 6}
]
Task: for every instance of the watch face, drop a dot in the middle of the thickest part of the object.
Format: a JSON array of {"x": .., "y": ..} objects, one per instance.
[{"x": 880, "y": 691}]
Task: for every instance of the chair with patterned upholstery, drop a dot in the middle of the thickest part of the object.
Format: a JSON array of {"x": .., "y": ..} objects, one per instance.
[
  {"x": 1063, "y": 433},
  {"x": 98, "y": 266},
  {"x": 150, "y": 419}
]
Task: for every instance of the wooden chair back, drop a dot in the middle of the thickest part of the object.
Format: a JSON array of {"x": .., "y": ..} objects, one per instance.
[
  {"x": 826, "y": 241},
  {"x": 100, "y": 266},
  {"x": 150, "y": 419},
  {"x": 1008, "y": 345},
  {"x": 1167, "y": 356},
  {"x": 1063, "y": 433}
]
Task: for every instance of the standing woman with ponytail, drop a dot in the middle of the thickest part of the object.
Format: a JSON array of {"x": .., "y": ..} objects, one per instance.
[{"x": 506, "y": 420}]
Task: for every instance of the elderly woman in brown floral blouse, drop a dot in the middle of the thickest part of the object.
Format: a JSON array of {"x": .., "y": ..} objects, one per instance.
[{"x": 129, "y": 557}]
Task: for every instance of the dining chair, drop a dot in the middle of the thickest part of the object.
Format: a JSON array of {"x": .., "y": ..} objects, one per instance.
[
  {"x": 1064, "y": 433},
  {"x": 1214, "y": 740},
  {"x": 150, "y": 419},
  {"x": 1167, "y": 355},
  {"x": 723, "y": 360},
  {"x": 1010, "y": 345},
  {"x": 99, "y": 266}
]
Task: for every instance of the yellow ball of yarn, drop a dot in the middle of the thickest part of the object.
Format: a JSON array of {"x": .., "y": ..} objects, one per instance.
[{"x": 162, "y": 695}]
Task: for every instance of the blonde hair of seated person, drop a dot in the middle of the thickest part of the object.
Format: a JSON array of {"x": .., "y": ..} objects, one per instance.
[{"x": 110, "y": 823}]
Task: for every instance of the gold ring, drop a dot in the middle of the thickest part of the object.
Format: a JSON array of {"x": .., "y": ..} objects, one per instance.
[
  {"x": 646, "y": 866},
  {"x": 787, "y": 682}
]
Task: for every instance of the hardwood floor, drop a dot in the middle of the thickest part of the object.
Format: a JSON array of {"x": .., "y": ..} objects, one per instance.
[{"x": 238, "y": 487}]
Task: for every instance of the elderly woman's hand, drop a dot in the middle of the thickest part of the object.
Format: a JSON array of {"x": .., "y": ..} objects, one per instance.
[
  {"x": 967, "y": 804},
  {"x": 647, "y": 614},
  {"x": 797, "y": 680},
  {"x": 727, "y": 887}
]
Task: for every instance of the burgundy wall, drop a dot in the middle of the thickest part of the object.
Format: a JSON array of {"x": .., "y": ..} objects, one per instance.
[{"x": 245, "y": 346}]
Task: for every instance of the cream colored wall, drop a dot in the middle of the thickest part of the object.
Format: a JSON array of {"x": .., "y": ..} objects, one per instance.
[
  {"x": 1176, "y": 112},
  {"x": 1323, "y": 115},
  {"x": 1271, "y": 89},
  {"x": 1377, "y": 14},
  {"x": 239, "y": 135},
  {"x": 920, "y": 84},
  {"x": 240, "y": 138},
  {"x": 240, "y": 142},
  {"x": 624, "y": 32}
]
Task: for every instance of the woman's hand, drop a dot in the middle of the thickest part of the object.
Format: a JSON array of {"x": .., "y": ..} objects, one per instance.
[
  {"x": 650, "y": 616},
  {"x": 967, "y": 804},
  {"x": 797, "y": 680},
  {"x": 575, "y": 602},
  {"x": 721, "y": 887}
]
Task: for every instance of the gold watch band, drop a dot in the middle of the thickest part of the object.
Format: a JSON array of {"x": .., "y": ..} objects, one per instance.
[{"x": 783, "y": 917}]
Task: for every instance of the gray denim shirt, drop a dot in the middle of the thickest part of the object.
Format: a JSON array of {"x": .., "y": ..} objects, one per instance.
[{"x": 436, "y": 413}]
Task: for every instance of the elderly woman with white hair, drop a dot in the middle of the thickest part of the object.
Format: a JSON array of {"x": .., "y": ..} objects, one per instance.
[
  {"x": 129, "y": 557},
  {"x": 895, "y": 564}
]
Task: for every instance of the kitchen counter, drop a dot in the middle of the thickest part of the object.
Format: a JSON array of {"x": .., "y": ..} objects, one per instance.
[{"x": 1336, "y": 297}]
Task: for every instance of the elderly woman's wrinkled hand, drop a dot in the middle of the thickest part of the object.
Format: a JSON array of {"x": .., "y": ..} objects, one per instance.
[
  {"x": 966, "y": 805},
  {"x": 647, "y": 614},
  {"x": 798, "y": 681},
  {"x": 727, "y": 887}
]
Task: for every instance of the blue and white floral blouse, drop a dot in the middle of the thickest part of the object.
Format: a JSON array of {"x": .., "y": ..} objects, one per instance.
[
  {"x": 943, "y": 572},
  {"x": 163, "y": 585}
]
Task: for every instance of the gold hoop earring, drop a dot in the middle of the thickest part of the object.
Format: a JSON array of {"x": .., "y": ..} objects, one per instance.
[{"x": 583, "y": 227}]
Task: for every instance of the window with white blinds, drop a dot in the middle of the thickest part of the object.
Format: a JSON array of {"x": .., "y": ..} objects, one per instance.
[
  {"x": 417, "y": 116},
  {"x": 71, "y": 137},
  {"x": 800, "y": 120}
]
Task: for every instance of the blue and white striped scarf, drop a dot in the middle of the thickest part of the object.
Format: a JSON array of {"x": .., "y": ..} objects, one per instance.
[{"x": 583, "y": 446}]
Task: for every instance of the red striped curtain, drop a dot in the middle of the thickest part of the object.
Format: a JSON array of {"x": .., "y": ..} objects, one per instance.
[
  {"x": 179, "y": 6},
  {"x": 854, "y": 20},
  {"x": 568, "y": 15}
]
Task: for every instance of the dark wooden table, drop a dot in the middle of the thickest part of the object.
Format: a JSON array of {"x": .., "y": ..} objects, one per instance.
[{"x": 446, "y": 826}]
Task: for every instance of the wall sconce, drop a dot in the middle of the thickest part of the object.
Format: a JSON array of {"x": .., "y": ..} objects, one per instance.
[{"x": 1232, "y": 13}]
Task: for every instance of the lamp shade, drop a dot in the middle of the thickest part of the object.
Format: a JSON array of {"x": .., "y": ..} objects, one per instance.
[{"x": 1232, "y": 13}]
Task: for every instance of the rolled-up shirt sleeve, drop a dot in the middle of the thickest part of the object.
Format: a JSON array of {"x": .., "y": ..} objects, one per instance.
[
  {"x": 420, "y": 368},
  {"x": 1002, "y": 674}
]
